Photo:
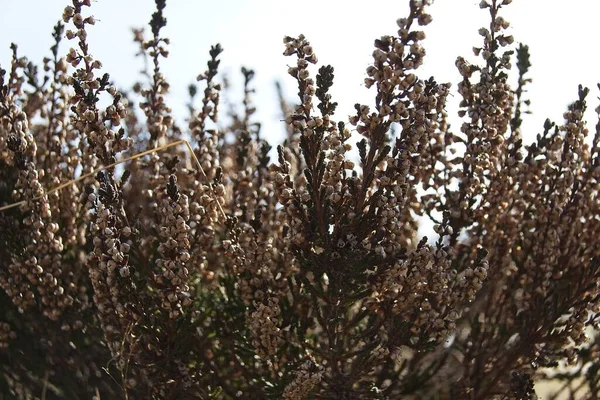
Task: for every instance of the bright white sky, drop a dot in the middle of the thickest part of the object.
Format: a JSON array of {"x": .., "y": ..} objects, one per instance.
[{"x": 561, "y": 35}]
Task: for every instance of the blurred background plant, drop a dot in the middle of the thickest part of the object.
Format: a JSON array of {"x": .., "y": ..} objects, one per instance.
[{"x": 224, "y": 274}]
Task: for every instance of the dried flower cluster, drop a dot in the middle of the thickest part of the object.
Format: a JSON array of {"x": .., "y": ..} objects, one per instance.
[{"x": 218, "y": 274}]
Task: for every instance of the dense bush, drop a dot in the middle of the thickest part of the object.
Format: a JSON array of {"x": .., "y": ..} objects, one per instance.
[{"x": 208, "y": 271}]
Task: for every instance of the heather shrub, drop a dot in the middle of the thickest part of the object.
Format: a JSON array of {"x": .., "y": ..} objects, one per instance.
[{"x": 146, "y": 257}]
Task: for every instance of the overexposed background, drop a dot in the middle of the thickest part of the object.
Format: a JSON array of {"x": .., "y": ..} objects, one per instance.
[{"x": 561, "y": 35}]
